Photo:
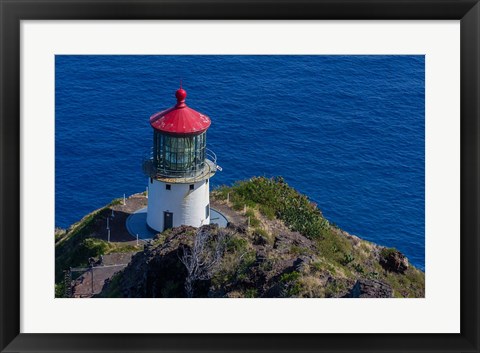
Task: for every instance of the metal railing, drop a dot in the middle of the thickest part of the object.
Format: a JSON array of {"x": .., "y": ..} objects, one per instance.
[{"x": 196, "y": 172}]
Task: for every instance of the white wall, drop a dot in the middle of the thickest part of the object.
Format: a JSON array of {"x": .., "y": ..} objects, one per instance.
[{"x": 187, "y": 206}]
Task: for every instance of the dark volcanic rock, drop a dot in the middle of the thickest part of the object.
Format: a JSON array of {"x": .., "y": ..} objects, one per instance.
[
  {"x": 275, "y": 291},
  {"x": 157, "y": 271},
  {"x": 259, "y": 239},
  {"x": 238, "y": 228},
  {"x": 302, "y": 263},
  {"x": 286, "y": 241},
  {"x": 393, "y": 260},
  {"x": 366, "y": 288}
]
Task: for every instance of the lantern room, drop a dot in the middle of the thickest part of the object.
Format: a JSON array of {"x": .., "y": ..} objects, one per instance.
[{"x": 179, "y": 142}]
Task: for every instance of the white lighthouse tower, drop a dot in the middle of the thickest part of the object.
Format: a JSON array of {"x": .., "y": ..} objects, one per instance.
[{"x": 179, "y": 168}]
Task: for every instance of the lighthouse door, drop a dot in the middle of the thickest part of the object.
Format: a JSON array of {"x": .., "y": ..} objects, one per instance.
[{"x": 167, "y": 220}]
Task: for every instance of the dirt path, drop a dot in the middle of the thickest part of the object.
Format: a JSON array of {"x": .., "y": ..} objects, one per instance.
[{"x": 232, "y": 215}]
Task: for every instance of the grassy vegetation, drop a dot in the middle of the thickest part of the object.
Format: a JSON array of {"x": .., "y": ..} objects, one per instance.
[
  {"x": 60, "y": 290},
  {"x": 71, "y": 250},
  {"x": 339, "y": 255},
  {"x": 335, "y": 287},
  {"x": 290, "y": 277},
  {"x": 293, "y": 284},
  {"x": 276, "y": 198},
  {"x": 236, "y": 263},
  {"x": 324, "y": 267},
  {"x": 59, "y": 233},
  {"x": 263, "y": 233},
  {"x": 160, "y": 238},
  {"x": 236, "y": 245},
  {"x": 77, "y": 244},
  {"x": 410, "y": 284},
  {"x": 251, "y": 293},
  {"x": 254, "y": 222},
  {"x": 300, "y": 250},
  {"x": 273, "y": 197}
]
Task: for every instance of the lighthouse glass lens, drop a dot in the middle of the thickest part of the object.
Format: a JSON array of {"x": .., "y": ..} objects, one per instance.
[
  {"x": 200, "y": 142},
  {"x": 178, "y": 155}
]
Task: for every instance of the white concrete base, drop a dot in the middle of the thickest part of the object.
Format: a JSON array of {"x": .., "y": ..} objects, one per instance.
[
  {"x": 137, "y": 223},
  {"x": 188, "y": 207}
]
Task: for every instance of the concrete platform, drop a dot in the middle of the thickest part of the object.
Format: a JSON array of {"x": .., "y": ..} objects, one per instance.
[
  {"x": 137, "y": 223},
  {"x": 218, "y": 218}
]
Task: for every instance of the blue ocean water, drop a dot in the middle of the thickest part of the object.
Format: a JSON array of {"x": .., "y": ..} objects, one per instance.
[{"x": 348, "y": 131}]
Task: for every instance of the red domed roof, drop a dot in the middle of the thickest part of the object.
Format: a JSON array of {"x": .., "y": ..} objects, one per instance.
[{"x": 180, "y": 119}]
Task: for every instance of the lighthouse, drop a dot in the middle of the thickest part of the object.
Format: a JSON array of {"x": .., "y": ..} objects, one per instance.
[{"x": 179, "y": 168}]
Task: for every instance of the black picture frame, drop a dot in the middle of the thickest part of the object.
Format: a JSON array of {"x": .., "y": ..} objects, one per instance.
[{"x": 13, "y": 11}]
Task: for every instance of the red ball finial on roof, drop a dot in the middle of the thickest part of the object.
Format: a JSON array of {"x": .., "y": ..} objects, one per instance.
[{"x": 181, "y": 94}]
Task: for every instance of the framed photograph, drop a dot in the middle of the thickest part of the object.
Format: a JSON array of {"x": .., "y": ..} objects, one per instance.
[{"x": 237, "y": 176}]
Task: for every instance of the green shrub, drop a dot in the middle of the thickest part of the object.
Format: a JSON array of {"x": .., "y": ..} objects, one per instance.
[
  {"x": 299, "y": 250},
  {"x": 292, "y": 285},
  {"x": 267, "y": 211},
  {"x": 335, "y": 288},
  {"x": 254, "y": 222},
  {"x": 94, "y": 247},
  {"x": 249, "y": 213},
  {"x": 262, "y": 232},
  {"x": 238, "y": 205},
  {"x": 275, "y": 197},
  {"x": 161, "y": 237},
  {"x": 236, "y": 244},
  {"x": 60, "y": 290},
  {"x": 294, "y": 289},
  {"x": 317, "y": 266},
  {"x": 347, "y": 258},
  {"x": 248, "y": 259},
  {"x": 221, "y": 192},
  {"x": 251, "y": 293},
  {"x": 358, "y": 268},
  {"x": 118, "y": 201},
  {"x": 267, "y": 265},
  {"x": 243, "y": 265},
  {"x": 290, "y": 277}
]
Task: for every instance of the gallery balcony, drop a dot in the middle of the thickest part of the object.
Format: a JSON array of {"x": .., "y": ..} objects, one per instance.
[{"x": 186, "y": 174}]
